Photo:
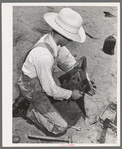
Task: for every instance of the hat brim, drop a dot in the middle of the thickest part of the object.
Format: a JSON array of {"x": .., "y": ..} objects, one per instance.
[{"x": 79, "y": 37}]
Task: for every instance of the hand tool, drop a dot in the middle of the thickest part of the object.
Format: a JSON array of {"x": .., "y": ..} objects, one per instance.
[
  {"x": 76, "y": 128},
  {"x": 69, "y": 139},
  {"x": 102, "y": 138},
  {"x": 107, "y": 118}
]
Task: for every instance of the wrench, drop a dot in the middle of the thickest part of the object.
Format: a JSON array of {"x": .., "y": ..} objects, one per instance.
[{"x": 76, "y": 128}]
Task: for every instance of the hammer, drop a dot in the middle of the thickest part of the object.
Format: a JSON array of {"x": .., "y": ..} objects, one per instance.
[{"x": 69, "y": 139}]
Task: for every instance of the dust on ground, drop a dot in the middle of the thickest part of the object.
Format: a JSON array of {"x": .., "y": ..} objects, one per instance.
[{"x": 29, "y": 26}]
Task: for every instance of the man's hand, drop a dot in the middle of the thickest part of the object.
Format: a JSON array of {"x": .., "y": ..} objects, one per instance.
[{"x": 76, "y": 94}]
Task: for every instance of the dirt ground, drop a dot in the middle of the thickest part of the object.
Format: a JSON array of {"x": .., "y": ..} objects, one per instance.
[{"x": 29, "y": 26}]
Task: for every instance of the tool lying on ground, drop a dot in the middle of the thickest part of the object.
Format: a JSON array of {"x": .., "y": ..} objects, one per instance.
[
  {"x": 76, "y": 128},
  {"x": 108, "y": 119},
  {"x": 68, "y": 139}
]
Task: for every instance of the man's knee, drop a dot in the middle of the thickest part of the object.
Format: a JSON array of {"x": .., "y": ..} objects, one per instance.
[
  {"x": 60, "y": 129},
  {"x": 38, "y": 118}
]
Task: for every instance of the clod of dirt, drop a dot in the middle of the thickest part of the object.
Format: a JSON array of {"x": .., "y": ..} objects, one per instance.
[
  {"x": 108, "y": 14},
  {"x": 16, "y": 139},
  {"x": 75, "y": 55}
]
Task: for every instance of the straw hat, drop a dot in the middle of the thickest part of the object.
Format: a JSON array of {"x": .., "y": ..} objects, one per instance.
[{"x": 68, "y": 23}]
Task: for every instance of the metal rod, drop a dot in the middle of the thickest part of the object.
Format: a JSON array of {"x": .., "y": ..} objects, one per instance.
[{"x": 49, "y": 138}]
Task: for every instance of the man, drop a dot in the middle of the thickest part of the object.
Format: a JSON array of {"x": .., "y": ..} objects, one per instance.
[{"x": 38, "y": 82}]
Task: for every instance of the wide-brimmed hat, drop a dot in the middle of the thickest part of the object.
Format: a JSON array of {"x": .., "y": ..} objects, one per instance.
[{"x": 68, "y": 23}]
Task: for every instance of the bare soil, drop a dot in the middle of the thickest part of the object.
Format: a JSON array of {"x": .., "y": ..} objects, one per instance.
[{"x": 29, "y": 26}]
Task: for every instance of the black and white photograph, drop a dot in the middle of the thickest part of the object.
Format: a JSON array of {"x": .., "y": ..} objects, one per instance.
[{"x": 61, "y": 74}]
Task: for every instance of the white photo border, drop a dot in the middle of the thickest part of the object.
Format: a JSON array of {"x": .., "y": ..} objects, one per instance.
[{"x": 7, "y": 71}]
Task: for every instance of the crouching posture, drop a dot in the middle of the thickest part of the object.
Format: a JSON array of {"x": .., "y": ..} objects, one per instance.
[{"x": 38, "y": 81}]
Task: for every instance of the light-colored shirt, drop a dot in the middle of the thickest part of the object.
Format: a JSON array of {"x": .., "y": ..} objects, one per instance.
[{"x": 40, "y": 63}]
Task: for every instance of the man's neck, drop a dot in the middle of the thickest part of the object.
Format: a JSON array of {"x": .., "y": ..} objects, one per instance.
[{"x": 56, "y": 39}]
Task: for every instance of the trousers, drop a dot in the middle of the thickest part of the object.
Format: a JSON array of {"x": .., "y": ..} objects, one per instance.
[{"x": 41, "y": 111}]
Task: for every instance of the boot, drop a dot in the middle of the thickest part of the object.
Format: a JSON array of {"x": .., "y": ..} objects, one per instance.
[{"x": 20, "y": 106}]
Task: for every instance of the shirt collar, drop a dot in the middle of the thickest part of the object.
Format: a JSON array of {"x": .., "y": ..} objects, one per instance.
[{"x": 49, "y": 39}]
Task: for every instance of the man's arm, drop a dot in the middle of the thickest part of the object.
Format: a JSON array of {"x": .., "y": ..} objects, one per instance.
[
  {"x": 43, "y": 66},
  {"x": 65, "y": 59}
]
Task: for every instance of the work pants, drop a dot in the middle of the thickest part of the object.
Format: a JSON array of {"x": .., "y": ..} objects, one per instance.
[{"x": 41, "y": 111}]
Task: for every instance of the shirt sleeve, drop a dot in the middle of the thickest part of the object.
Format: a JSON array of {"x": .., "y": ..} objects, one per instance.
[
  {"x": 65, "y": 59},
  {"x": 43, "y": 67}
]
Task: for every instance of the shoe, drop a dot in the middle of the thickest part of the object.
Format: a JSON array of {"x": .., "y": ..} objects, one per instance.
[{"x": 20, "y": 107}]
